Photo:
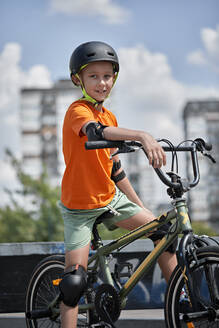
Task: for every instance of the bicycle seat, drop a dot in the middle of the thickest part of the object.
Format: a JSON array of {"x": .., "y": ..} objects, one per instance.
[
  {"x": 96, "y": 237},
  {"x": 104, "y": 216}
]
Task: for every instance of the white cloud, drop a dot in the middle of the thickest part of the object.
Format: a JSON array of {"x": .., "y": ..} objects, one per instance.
[
  {"x": 210, "y": 54},
  {"x": 147, "y": 96},
  {"x": 108, "y": 11},
  {"x": 210, "y": 39},
  {"x": 197, "y": 58},
  {"x": 9, "y": 77},
  {"x": 37, "y": 76},
  {"x": 12, "y": 77}
]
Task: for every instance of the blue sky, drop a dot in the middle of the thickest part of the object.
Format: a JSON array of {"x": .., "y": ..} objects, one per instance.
[
  {"x": 168, "y": 49},
  {"x": 47, "y": 36}
]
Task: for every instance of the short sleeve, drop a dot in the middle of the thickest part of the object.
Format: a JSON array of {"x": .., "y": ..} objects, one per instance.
[
  {"x": 79, "y": 115},
  {"x": 115, "y": 123}
]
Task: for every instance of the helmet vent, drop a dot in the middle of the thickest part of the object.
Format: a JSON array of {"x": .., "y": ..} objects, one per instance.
[
  {"x": 110, "y": 53},
  {"x": 91, "y": 54}
]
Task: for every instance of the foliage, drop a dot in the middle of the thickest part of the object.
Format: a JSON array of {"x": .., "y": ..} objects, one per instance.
[
  {"x": 110, "y": 235},
  {"x": 201, "y": 228},
  {"x": 15, "y": 225},
  {"x": 33, "y": 214}
]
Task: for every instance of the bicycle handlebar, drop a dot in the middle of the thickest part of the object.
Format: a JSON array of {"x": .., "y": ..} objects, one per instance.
[
  {"x": 105, "y": 144},
  {"x": 128, "y": 146}
]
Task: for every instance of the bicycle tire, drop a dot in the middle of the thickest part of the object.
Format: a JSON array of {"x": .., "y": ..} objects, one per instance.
[
  {"x": 41, "y": 292},
  {"x": 210, "y": 260}
]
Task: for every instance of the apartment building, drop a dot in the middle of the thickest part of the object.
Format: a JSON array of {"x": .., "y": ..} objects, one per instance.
[
  {"x": 41, "y": 117},
  {"x": 201, "y": 119}
]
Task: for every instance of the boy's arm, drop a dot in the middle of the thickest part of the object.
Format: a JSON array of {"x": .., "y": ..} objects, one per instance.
[{"x": 155, "y": 152}]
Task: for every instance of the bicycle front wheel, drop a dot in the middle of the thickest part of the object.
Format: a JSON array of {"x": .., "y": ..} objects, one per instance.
[
  {"x": 205, "y": 280},
  {"x": 42, "y": 293}
]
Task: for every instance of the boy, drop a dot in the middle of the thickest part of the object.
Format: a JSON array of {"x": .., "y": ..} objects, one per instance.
[{"x": 92, "y": 180}]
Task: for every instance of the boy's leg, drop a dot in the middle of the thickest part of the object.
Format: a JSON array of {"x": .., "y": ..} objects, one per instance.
[
  {"x": 167, "y": 261},
  {"x": 78, "y": 256}
]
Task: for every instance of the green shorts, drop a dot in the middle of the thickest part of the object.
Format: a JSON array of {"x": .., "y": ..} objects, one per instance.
[{"x": 78, "y": 224}]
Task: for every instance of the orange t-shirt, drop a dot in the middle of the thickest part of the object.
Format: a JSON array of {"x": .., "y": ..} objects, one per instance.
[{"x": 86, "y": 183}]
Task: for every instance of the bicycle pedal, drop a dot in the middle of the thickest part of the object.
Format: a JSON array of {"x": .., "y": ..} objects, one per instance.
[{"x": 122, "y": 270}]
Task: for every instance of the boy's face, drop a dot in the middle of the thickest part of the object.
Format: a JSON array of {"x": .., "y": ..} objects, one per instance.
[{"x": 98, "y": 78}]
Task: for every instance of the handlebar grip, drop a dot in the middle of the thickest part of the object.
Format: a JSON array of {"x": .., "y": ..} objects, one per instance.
[
  {"x": 103, "y": 144},
  {"x": 208, "y": 146},
  {"x": 202, "y": 143}
]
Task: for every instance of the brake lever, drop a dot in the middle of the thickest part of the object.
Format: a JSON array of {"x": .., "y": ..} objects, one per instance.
[
  {"x": 210, "y": 157},
  {"x": 200, "y": 146},
  {"x": 123, "y": 149}
]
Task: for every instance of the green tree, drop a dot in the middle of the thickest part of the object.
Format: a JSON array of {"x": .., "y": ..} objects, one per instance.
[
  {"x": 16, "y": 225},
  {"x": 39, "y": 219}
]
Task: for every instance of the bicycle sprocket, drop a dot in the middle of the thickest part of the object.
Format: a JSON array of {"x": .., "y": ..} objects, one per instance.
[{"x": 107, "y": 303}]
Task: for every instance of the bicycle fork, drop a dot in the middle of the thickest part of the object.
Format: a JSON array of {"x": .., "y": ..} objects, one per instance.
[{"x": 187, "y": 249}]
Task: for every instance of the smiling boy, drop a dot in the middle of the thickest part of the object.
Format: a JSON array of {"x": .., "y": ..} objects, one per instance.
[{"x": 92, "y": 180}]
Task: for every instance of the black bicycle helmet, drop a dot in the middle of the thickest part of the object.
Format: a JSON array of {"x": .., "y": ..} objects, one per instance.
[{"x": 90, "y": 52}]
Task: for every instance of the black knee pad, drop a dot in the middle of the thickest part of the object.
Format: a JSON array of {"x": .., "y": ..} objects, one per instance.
[
  {"x": 160, "y": 233},
  {"x": 73, "y": 285}
]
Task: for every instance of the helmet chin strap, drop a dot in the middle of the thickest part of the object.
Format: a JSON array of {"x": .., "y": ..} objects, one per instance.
[{"x": 86, "y": 96}]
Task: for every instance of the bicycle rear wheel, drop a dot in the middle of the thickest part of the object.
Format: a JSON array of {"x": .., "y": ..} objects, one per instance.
[
  {"x": 205, "y": 280},
  {"x": 42, "y": 292}
]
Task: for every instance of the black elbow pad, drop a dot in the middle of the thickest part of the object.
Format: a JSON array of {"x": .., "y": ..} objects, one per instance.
[
  {"x": 116, "y": 166},
  {"x": 118, "y": 177},
  {"x": 94, "y": 131}
]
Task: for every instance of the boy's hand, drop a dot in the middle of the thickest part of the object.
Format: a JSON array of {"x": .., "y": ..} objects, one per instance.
[{"x": 155, "y": 152}]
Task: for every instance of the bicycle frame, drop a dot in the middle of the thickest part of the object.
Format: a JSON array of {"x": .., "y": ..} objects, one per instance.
[{"x": 180, "y": 222}]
